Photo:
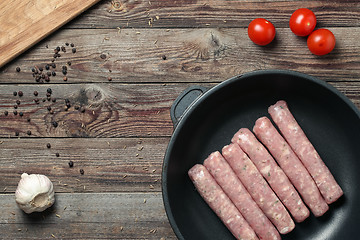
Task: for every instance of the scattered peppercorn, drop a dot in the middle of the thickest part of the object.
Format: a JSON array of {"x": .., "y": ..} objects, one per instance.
[
  {"x": 47, "y": 79},
  {"x": 72, "y": 45},
  {"x": 15, "y": 112},
  {"x": 33, "y": 70},
  {"x": 16, "y": 133},
  {"x": 58, "y": 49},
  {"x": 109, "y": 79},
  {"x": 48, "y": 95},
  {"x": 102, "y": 56},
  {"x": 18, "y": 69},
  {"x": 21, "y": 114},
  {"x": 53, "y": 100},
  {"x": 15, "y": 106},
  {"x": 6, "y": 113},
  {"x": 48, "y": 108},
  {"x": 57, "y": 154},
  {"x": 28, "y": 119},
  {"x": 67, "y": 100},
  {"x": 73, "y": 50},
  {"x": 49, "y": 74},
  {"x": 20, "y": 93},
  {"x": 28, "y": 132},
  {"x": 49, "y": 90},
  {"x": 53, "y": 73},
  {"x": 47, "y": 67},
  {"x": 164, "y": 57},
  {"x": 18, "y": 102},
  {"x": 15, "y": 93},
  {"x": 40, "y": 69},
  {"x": 63, "y": 49},
  {"x": 53, "y": 65},
  {"x": 44, "y": 99},
  {"x": 76, "y": 107},
  {"x": 71, "y": 164},
  {"x": 48, "y": 145},
  {"x": 82, "y": 171},
  {"x": 36, "y": 93},
  {"x": 67, "y": 44},
  {"x": 69, "y": 63},
  {"x": 55, "y": 124},
  {"x": 82, "y": 109},
  {"x": 64, "y": 71}
]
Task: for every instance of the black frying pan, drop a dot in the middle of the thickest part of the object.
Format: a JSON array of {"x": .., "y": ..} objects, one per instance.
[{"x": 205, "y": 121}]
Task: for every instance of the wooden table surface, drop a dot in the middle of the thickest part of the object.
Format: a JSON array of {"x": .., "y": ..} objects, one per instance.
[{"x": 152, "y": 51}]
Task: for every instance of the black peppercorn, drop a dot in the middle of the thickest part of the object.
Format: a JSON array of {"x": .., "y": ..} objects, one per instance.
[
  {"x": 63, "y": 49},
  {"x": 47, "y": 67},
  {"x": 102, "y": 56},
  {"x": 47, "y": 79},
  {"x": 58, "y": 48},
  {"x": 57, "y": 154},
  {"x": 71, "y": 164},
  {"x": 16, "y": 133},
  {"x": 28, "y": 132},
  {"x": 15, "y": 112},
  {"x": 69, "y": 63},
  {"x": 64, "y": 71},
  {"x": 6, "y": 113},
  {"x": 20, "y": 93},
  {"x": 21, "y": 114},
  {"x": 164, "y": 57},
  {"x": 48, "y": 95},
  {"x": 67, "y": 44},
  {"x": 48, "y": 145},
  {"x": 48, "y": 108},
  {"x": 76, "y": 107},
  {"x": 36, "y": 93},
  {"x": 73, "y": 50},
  {"x": 49, "y": 90},
  {"x": 28, "y": 119},
  {"x": 55, "y": 124},
  {"x": 82, "y": 171},
  {"x": 18, "y": 69},
  {"x": 53, "y": 65},
  {"x": 33, "y": 70},
  {"x": 15, "y": 93},
  {"x": 18, "y": 102},
  {"x": 53, "y": 73},
  {"x": 49, "y": 74},
  {"x": 82, "y": 109},
  {"x": 40, "y": 69},
  {"x": 53, "y": 100},
  {"x": 15, "y": 106},
  {"x": 72, "y": 45}
]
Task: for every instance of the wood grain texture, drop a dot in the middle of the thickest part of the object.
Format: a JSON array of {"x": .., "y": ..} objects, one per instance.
[
  {"x": 110, "y": 110},
  {"x": 89, "y": 216},
  {"x": 192, "y": 55},
  {"x": 24, "y": 23},
  {"x": 205, "y": 14},
  {"x": 110, "y": 165}
]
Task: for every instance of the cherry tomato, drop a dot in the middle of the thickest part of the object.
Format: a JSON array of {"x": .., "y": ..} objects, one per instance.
[
  {"x": 302, "y": 22},
  {"x": 321, "y": 42},
  {"x": 261, "y": 31}
]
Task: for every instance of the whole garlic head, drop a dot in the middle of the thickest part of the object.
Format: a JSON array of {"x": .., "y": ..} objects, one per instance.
[{"x": 34, "y": 193}]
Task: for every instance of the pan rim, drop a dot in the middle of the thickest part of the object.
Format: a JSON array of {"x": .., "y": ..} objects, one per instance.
[{"x": 211, "y": 91}]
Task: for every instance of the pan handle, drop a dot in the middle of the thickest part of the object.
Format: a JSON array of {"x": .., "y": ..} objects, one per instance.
[{"x": 182, "y": 103}]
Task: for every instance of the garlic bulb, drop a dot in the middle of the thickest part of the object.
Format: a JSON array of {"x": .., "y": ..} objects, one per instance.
[{"x": 34, "y": 193}]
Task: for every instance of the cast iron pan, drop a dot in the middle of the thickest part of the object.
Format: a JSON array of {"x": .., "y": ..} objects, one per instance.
[{"x": 206, "y": 121}]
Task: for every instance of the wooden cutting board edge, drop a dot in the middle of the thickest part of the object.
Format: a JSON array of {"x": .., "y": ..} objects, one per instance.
[{"x": 26, "y": 39}]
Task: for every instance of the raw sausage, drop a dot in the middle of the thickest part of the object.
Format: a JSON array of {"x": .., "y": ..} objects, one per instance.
[
  {"x": 291, "y": 165},
  {"x": 274, "y": 175},
  {"x": 258, "y": 188},
  {"x": 235, "y": 190},
  {"x": 306, "y": 152},
  {"x": 220, "y": 203}
]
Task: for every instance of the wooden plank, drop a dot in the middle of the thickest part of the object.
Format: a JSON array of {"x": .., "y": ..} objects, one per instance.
[
  {"x": 192, "y": 55},
  {"x": 215, "y": 13},
  {"x": 111, "y": 110},
  {"x": 109, "y": 164},
  {"x": 89, "y": 216},
  {"x": 24, "y": 23}
]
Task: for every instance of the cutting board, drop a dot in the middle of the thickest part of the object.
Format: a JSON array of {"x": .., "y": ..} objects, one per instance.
[{"x": 25, "y": 22}]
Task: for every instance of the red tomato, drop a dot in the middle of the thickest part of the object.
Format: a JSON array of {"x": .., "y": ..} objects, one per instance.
[
  {"x": 321, "y": 42},
  {"x": 261, "y": 31},
  {"x": 302, "y": 22}
]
